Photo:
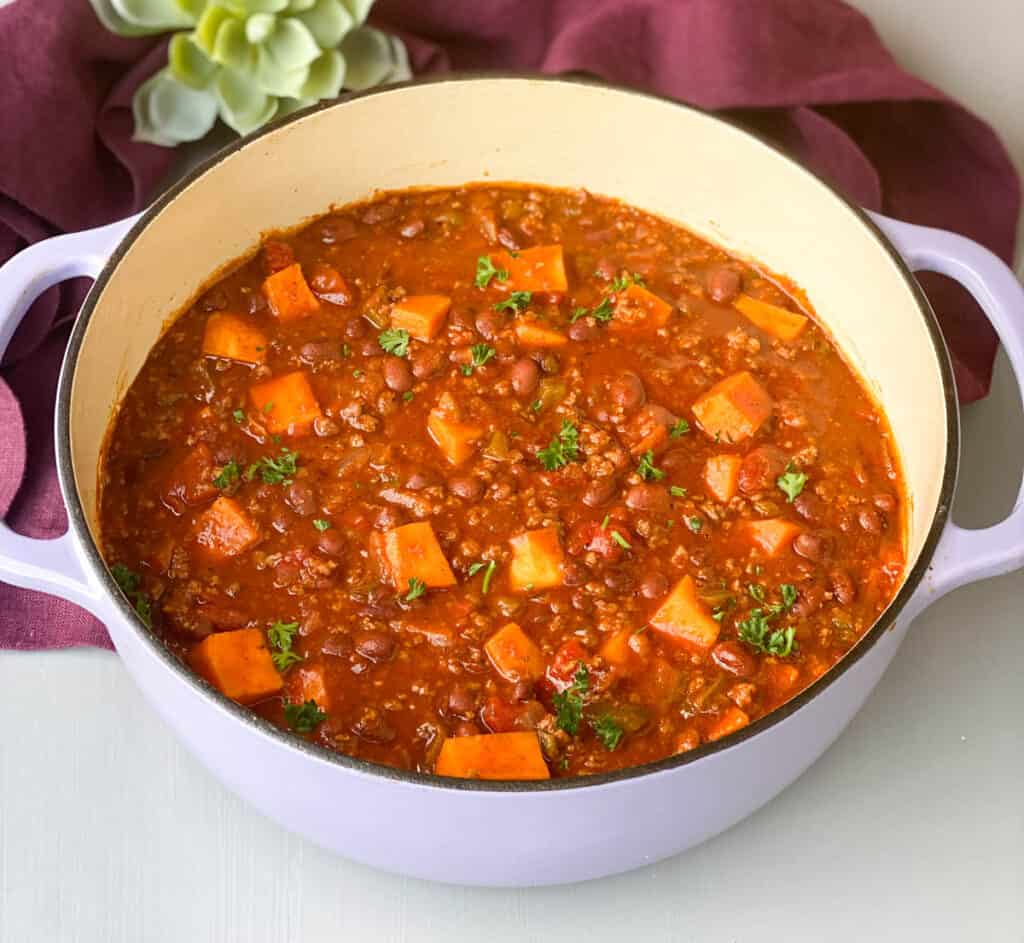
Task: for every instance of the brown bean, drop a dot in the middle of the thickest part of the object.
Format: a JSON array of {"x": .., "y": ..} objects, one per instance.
[
  {"x": 842, "y": 587},
  {"x": 523, "y": 690},
  {"x": 320, "y": 352},
  {"x": 652, "y": 498},
  {"x": 373, "y": 728},
  {"x": 327, "y": 283},
  {"x": 215, "y": 299},
  {"x": 337, "y": 229},
  {"x": 374, "y": 646},
  {"x": 488, "y": 324},
  {"x": 255, "y": 302},
  {"x": 460, "y": 703},
  {"x": 355, "y": 329},
  {"x": 412, "y": 228},
  {"x": 599, "y": 492},
  {"x": 583, "y": 330},
  {"x": 871, "y": 521},
  {"x": 885, "y": 502},
  {"x": 338, "y": 644},
  {"x": 524, "y": 376},
  {"x": 760, "y": 468},
  {"x": 810, "y": 507},
  {"x": 810, "y": 597},
  {"x": 810, "y": 547},
  {"x": 627, "y": 391},
  {"x": 724, "y": 284},
  {"x": 378, "y": 213},
  {"x": 734, "y": 658},
  {"x": 427, "y": 361},
  {"x": 331, "y": 543},
  {"x": 418, "y": 480},
  {"x": 285, "y": 573},
  {"x": 619, "y": 581},
  {"x": 653, "y": 586},
  {"x": 573, "y": 574},
  {"x": 467, "y": 488},
  {"x": 301, "y": 498},
  {"x": 397, "y": 375},
  {"x": 324, "y": 426}
]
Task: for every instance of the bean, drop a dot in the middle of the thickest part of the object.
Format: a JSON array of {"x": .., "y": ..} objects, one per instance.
[
  {"x": 724, "y": 284},
  {"x": 285, "y": 573},
  {"x": 337, "y": 229},
  {"x": 488, "y": 324},
  {"x": 378, "y": 213},
  {"x": 320, "y": 352},
  {"x": 460, "y": 703},
  {"x": 886, "y": 503},
  {"x": 583, "y": 330},
  {"x": 808, "y": 601},
  {"x": 810, "y": 547},
  {"x": 397, "y": 375},
  {"x": 418, "y": 480},
  {"x": 508, "y": 240},
  {"x": 331, "y": 543},
  {"x": 467, "y": 488},
  {"x": 760, "y": 469},
  {"x": 524, "y": 376},
  {"x": 215, "y": 299},
  {"x": 653, "y": 586},
  {"x": 619, "y": 581},
  {"x": 627, "y": 391},
  {"x": 255, "y": 303},
  {"x": 324, "y": 426},
  {"x": 338, "y": 644},
  {"x": 327, "y": 283},
  {"x": 301, "y": 498},
  {"x": 277, "y": 256},
  {"x": 523, "y": 690},
  {"x": 387, "y": 518},
  {"x": 465, "y": 728},
  {"x": 842, "y": 587},
  {"x": 871, "y": 521},
  {"x": 599, "y": 491},
  {"x": 412, "y": 228},
  {"x": 652, "y": 498},
  {"x": 734, "y": 658},
  {"x": 355, "y": 329},
  {"x": 810, "y": 507},
  {"x": 373, "y": 728},
  {"x": 573, "y": 574},
  {"x": 427, "y": 361},
  {"x": 374, "y": 646}
]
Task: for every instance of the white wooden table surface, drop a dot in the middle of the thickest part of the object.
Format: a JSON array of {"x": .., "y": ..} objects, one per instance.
[{"x": 911, "y": 827}]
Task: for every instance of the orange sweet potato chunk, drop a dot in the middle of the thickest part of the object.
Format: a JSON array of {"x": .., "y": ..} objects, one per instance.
[
  {"x": 637, "y": 309},
  {"x": 515, "y": 656},
  {"x": 684, "y": 620},
  {"x": 421, "y": 315},
  {"x": 620, "y": 654},
  {"x": 412, "y": 552},
  {"x": 307, "y": 683},
  {"x": 224, "y": 530},
  {"x": 781, "y": 677},
  {"x": 237, "y": 664},
  {"x": 731, "y": 720},
  {"x": 288, "y": 294},
  {"x": 722, "y": 476},
  {"x": 541, "y": 268},
  {"x": 536, "y": 560},
  {"x": 733, "y": 409},
  {"x": 456, "y": 439},
  {"x": 772, "y": 536},
  {"x": 286, "y": 404},
  {"x": 531, "y": 334},
  {"x": 234, "y": 338},
  {"x": 780, "y": 323},
  {"x": 514, "y": 755}
]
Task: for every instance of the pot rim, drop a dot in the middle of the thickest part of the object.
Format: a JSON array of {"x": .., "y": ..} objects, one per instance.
[{"x": 761, "y": 727}]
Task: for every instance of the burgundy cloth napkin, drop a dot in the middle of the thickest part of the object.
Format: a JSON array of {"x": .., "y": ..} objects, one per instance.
[{"x": 812, "y": 74}]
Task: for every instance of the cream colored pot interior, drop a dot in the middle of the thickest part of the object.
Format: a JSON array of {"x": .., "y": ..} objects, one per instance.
[{"x": 672, "y": 161}]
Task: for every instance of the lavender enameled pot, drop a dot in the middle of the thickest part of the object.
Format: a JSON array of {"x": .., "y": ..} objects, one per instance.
[{"x": 693, "y": 168}]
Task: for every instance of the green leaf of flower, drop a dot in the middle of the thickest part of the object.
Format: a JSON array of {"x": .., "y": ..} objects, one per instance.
[
  {"x": 205, "y": 33},
  {"x": 359, "y": 9},
  {"x": 243, "y": 107},
  {"x": 259, "y": 26},
  {"x": 168, "y": 112},
  {"x": 271, "y": 79},
  {"x": 188, "y": 63},
  {"x": 230, "y": 46},
  {"x": 291, "y": 44},
  {"x": 246, "y": 7},
  {"x": 328, "y": 21},
  {"x": 373, "y": 58},
  {"x": 326, "y": 76},
  {"x": 157, "y": 15}
]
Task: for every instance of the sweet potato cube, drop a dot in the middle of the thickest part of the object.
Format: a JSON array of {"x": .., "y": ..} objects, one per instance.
[
  {"x": 733, "y": 409},
  {"x": 536, "y": 560},
  {"x": 619, "y": 652},
  {"x": 684, "y": 620},
  {"x": 191, "y": 481},
  {"x": 421, "y": 315},
  {"x": 224, "y": 530},
  {"x": 288, "y": 294},
  {"x": 456, "y": 439},
  {"x": 637, "y": 309},
  {"x": 307, "y": 683},
  {"x": 780, "y": 323},
  {"x": 781, "y": 677},
  {"x": 412, "y": 552},
  {"x": 515, "y": 755},
  {"x": 731, "y": 720},
  {"x": 286, "y": 404},
  {"x": 772, "y": 536},
  {"x": 531, "y": 334},
  {"x": 237, "y": 664},
  {"x": 234, "y": 338},
  {"x": 722, "y": 476},
  {"x": 541, "y": 268},
  {"x": 515, "y": 656}
]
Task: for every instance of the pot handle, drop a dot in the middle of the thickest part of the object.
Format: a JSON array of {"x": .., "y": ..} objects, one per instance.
[
  {"x": 50, "y": 566},
  {"x": 964, "y": 556}
]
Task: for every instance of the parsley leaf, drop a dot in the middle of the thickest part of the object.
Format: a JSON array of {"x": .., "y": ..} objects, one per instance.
[
  {"x": 679, "y": 427},
  {"x": 677, "y": 492},
  {"x": 491, "y": 566},
  {"x": 416, "y": 588},
  {"x": 485, "y": 271},
  {"x": 481, "y": 353},
  {"x": 569, "y": 703},
  {"x": 601, "y": 312},
  {"x": 563, "y": 449},
  {"x": 304, "y": 718},
  {"x": 620, "y": 540},
  {"x": 395, "y": 341},
  {"x": 624, "y": 281},
  {"x": 791, "y": 483},
  {"x": 228, "y": 476},
  {"x": 695, "y": 524},
  {"x": 274, "y": 471},
  {"x": 130, "y": 582},
  {"x": 756, "y": 591},
  {"x": 756, "y": 631},
  {"x": 608, "y": 731},
  {"x": 789, "y": 594},
  {"x": 268, "y": 408},
  {"x": 280, "y": 636},
  {"x": 514, "y": 303},
  {"x": 321, "y": 525},
  {"x": 408, "y": 396},
  {"x": 646, "y": 469},
  {"x": 238, "y": 415}
]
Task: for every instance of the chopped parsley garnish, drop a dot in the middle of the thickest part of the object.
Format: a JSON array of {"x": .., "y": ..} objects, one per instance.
[
  {"x": 238, "y": 415},
  {"x": 695, "y": 524},
  {"x": 304, "y": 718},
  {"x": 280, "y": 636},
  {"x": 563, "y": 449},
  {"x": 791, "y": 483},
  {"x": 646, "y": 469},
  {"x": 677, "y": 492},
  {"x": 569, "y": 703},
  {"x": 395, "y": 341},
  {"x": 488, "y": 567},
  {"x": 357, "y": 373},
  {"x": 756, "y": 591},
  {"x": 346, "y": 351},
  {"x": 789, "y": 594},
  {"x": 227, "y": 476},
  {"x": 536, "y": 405},
  {"x": 321, "y": 525},
  {"x": 624, "y": 281},
  {"x": 274, "y": 471},
  {"x": 679, "y": 427},
  {"x": 408, "y": 396},
  {"x": 602, "y": 312},
  {"x": 481, "y": 353},
  {"x": 416, "y": 588},
  {"x": 485, "y": 271},
  {"x": 608, "y": 731},
  {"x": 620, "y": 540},
  {"x": 514, "y": 303},
  {"x": 268, "y": 408},
  {"x": 130, "y": 582},
  {"x": 757, "y": 632}
]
